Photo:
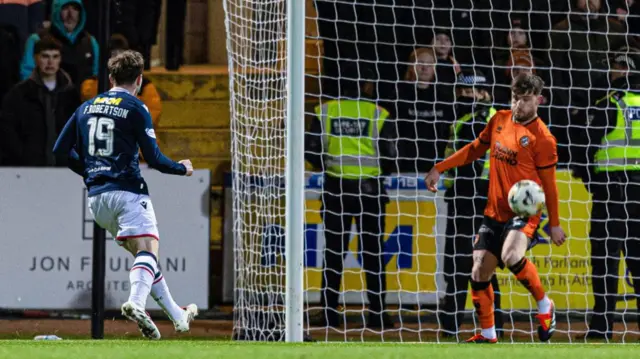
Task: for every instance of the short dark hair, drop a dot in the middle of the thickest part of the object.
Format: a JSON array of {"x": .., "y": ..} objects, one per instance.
[
  {"x": 527, "y": 83},
  {"x": 118, "y": 42},
  {"x": 46, "y": 43},
  {"x": 125, "y": 67}
]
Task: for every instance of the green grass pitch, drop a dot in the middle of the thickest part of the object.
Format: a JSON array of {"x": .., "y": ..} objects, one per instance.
[{"x": 121, "y": 349}]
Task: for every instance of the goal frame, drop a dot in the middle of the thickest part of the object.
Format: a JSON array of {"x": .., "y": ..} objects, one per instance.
[{"x": 294, "y": 172}]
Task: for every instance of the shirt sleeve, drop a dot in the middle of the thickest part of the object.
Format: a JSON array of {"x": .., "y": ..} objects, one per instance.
[
  {"x": 546, "y": 152},
  {"x": 485, "y": 136},
  {"x": 67, "y": 138},
  {"x": 146, "y": 138},
  {"x": 65, "y": 144}
]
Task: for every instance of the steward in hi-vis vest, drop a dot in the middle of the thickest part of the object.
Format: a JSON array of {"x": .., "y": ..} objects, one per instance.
[
  {"x": 352, "y": 142},
  {"x": 607, "y": 158},
  {"x": 466, "y": 197}
]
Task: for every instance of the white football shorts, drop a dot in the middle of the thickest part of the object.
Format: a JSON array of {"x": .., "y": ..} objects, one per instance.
[{"x": 124, "y": 214}]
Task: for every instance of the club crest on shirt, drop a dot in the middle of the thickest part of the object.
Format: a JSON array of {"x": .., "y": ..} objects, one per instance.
[
  {"x": 150, "y": 132},
  {"x": 524, "y": 141}
]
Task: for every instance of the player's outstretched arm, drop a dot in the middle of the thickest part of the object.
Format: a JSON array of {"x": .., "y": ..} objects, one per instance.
[
  {"x": 146, "y": 137},
  {"x": 464, "y": 156},
  {"x": 64, "y": 146},
  {"x": 467, "y": 154}
]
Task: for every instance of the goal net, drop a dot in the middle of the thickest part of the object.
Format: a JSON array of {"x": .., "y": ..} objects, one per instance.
[{"x": 439, "y": 69}]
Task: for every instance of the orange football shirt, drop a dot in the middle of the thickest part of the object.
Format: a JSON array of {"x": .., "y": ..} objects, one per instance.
[{"x": 517, "y": 152}]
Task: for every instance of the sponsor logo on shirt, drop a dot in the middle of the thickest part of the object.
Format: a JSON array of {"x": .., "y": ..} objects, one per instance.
[
  {"x": 114, "y": 101},
  {"x": 504, "y": 154}
]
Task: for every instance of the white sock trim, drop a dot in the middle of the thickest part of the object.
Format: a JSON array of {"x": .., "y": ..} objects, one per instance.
[
  {"x": 544, "y": 305},
  {"x": 489, "y": 333}
]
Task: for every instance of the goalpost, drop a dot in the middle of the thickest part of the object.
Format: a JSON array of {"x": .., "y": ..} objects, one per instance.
[
  {"x": 278, "y": 232},
  {"x": 265, "y": 40}
]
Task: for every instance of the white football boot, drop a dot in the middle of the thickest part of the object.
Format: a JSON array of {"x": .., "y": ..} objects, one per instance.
[
  {"x": 189, "y": 314},
  {"x": 140, "y": 316}
]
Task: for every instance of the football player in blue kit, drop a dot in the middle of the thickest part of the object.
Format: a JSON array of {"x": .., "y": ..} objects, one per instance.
[{"x": 102, "y": 140}]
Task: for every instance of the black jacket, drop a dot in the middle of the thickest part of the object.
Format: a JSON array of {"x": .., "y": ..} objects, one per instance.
[
  {"x": 600, "y": 120},
  {"x": 31, "y": 119}
]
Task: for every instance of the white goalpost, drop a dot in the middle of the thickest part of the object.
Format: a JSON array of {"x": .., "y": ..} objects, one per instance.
[
  {"x": 294, "y": 174},
  {"x": 290, "y": 59},
  {"x": 266, "y": 71}
]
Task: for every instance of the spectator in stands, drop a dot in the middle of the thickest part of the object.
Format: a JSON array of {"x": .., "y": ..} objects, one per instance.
[
  {"x": 79, "y": 49},
  {"x": 447, "y": 67},
  {"x": 36, "y": 109},
  {"x": 578, "y": 54},
  {"x": 513, "y": 58},
  {"x": 23, "y": 16},
  {"x": 422, "y": 113},
  {"x": 606, "y": 159},
  {"x": 148, "y": 92},
  {"x": 471, "y": 27}
]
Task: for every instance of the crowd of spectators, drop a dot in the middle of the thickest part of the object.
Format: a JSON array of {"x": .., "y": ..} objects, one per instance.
[
  {"x": 417, "y": 47},
  {"x": 49, "y": 61}
]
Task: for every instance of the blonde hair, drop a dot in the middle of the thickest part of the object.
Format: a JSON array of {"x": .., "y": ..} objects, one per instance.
[{"x": 410, "y": 74}]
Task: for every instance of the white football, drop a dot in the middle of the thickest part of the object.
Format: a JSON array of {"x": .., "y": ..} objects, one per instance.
[{"x": 526, "y": 198}]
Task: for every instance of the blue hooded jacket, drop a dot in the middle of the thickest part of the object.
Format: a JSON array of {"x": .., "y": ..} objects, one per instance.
[{"x": 69, "y": 41}]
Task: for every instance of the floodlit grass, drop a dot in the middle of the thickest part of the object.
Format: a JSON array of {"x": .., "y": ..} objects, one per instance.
[{"x": 121, "y": 349}]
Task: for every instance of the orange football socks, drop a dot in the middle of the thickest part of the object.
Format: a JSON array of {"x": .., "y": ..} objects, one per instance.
[{"x": 482, "y": 296}]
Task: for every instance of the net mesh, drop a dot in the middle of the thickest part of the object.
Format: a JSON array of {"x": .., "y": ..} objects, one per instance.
[
  {"x": 256, "y": 46},
  {"x": 413, "y": 52}
]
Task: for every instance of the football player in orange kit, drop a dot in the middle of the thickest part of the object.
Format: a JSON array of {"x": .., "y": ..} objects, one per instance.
[{"x": 521, "y": 148}]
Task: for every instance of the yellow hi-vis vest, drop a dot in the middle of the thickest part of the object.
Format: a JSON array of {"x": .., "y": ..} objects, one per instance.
[
  {"x": 454, "y": 145},
  {"x": 350, "y": 137},
  {"x": 620, "y": 148}
]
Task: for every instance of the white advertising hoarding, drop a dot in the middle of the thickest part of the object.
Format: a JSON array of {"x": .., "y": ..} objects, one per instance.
[{"x": 46, "y": 235}]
